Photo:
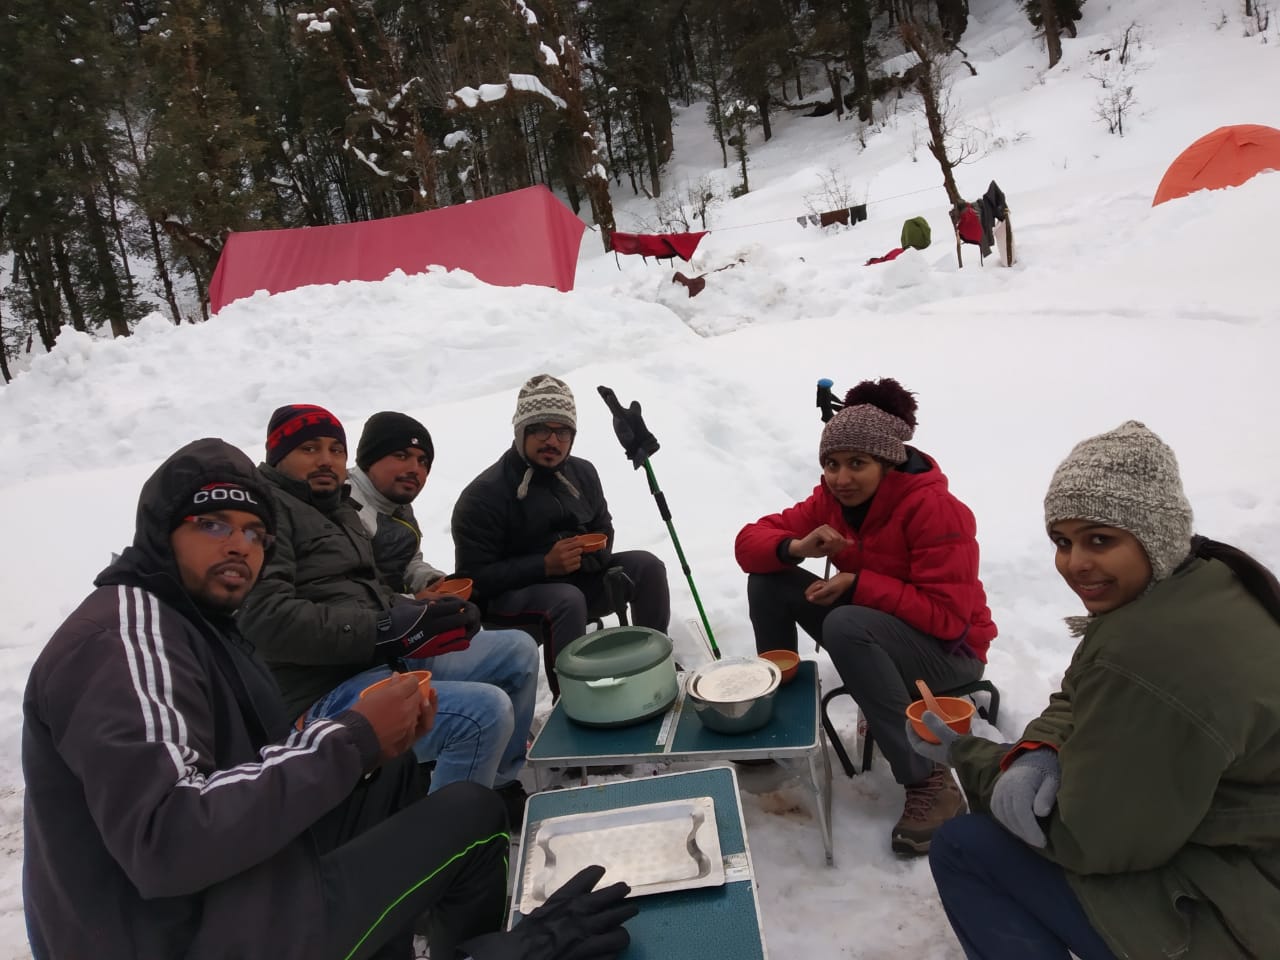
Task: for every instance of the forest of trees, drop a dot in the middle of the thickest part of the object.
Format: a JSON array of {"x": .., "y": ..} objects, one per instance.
[{"x": 137, "y": 133}]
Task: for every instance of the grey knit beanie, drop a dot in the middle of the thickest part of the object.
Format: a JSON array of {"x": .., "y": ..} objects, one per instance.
[
  {"x": 544, "y": 398},
  {"x": 1126, "y": 478},
  {"x": 869, "y": 429}
]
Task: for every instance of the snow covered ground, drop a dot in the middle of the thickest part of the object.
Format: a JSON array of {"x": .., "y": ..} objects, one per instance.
[{"x": 1116, "y": 310}]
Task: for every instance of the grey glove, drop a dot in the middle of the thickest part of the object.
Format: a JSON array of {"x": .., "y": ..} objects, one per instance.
[
  {"x": 937, "y": 752},
  {"x": 1026, "y": 790}
]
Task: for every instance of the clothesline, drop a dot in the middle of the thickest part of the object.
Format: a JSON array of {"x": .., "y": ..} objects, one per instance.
[
  {"x": 668, "y": 246},
  {"x": 765, "y": 223}
]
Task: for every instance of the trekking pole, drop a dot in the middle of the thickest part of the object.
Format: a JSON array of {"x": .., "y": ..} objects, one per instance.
[
  {"x": 640, "y": 444},
  {"x": 827, "y": 401}
]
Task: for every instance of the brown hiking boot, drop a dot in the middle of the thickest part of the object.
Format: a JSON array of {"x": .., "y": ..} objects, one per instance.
[{"x": 930, "y": 804}]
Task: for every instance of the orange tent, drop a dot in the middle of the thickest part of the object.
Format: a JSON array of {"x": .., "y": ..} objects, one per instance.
[{"x": 1225, "y": 158}]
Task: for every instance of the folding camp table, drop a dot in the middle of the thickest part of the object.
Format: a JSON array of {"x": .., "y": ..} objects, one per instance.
[
  {"x": 708, "y": 922},
  {"x": 794, "y": 737}
]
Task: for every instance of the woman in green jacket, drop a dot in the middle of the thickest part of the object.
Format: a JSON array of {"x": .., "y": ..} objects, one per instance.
[{"x": 1139, "y": 815}]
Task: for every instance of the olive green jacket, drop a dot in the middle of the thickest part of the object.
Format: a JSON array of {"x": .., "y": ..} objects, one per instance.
[{"x": 1168, "y": 734}]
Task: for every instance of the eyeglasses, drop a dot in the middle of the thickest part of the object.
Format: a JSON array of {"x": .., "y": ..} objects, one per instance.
[
  {"x": 221, "y": 530},
  {"x": 540, "y": 431}
]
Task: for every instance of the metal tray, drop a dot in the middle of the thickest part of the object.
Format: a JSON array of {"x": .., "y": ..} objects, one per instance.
[{"x": 654, "y": 847}]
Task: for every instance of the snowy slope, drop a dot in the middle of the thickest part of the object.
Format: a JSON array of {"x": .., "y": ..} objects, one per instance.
[{"x": 1116, "y": 310}]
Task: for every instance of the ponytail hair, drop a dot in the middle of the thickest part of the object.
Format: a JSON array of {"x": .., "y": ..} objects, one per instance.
[{"x": 1257, "y": 579}]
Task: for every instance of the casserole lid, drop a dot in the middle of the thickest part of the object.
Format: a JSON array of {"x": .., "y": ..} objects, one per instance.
[
  {"x": 735, "y": 680},
  {"x": 616, "y": 652}
]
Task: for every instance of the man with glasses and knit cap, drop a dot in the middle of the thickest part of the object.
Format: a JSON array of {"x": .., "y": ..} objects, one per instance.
[
  {"x": 173, "y": 810},
  {"x": 329, "y": 626},
  {"x": 517, "y": 530}
]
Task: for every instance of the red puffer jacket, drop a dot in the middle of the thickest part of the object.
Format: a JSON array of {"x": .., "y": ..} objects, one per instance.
[{"x": 916, "y": 554}]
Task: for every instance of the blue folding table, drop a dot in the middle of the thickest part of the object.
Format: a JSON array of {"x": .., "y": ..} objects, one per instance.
[
  {"x": 694, "y": 924},
  {"x": 794, "y": 737}
]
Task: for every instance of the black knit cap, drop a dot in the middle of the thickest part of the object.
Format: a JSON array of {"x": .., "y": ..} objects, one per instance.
[
  {"x": 387, "y": 432},
  {"x": 296, "y": 423},
  {"x": 226, "y": 494}
]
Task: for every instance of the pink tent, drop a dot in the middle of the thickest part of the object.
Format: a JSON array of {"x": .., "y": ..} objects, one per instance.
[{"x": 526, "y": 236}]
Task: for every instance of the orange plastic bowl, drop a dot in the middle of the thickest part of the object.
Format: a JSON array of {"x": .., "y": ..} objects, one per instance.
[
  {"x": 591, "y": 542},
  {"x": 422, "y": 676},
  {"x": 459, "y": 587},
  {"x": 959, "y": 716},
  {"x": 788, "y": 661}
]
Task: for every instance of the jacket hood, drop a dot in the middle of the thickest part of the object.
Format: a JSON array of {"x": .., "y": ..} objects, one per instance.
[{"x": 169, "y": 490}]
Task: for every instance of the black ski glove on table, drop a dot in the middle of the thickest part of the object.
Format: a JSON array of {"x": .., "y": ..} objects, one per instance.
[
  {"x": 576, "y": 923},
  {"x": 414, "y": 630}
]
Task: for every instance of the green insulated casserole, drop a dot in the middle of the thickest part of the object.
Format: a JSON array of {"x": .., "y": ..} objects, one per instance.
[{"x": 615, "y": 677}]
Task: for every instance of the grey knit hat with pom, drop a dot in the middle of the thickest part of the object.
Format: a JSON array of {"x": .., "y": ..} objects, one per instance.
[{"x": 1126, "y": 478}]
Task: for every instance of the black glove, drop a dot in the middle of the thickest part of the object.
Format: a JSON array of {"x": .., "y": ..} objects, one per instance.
[
  {"x": 576, "y": 923},
  {"x": 415, "y": 630},
  {"x": 630, "y": 428}
]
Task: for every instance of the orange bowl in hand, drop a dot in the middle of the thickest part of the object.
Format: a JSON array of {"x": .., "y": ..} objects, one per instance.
[
  {"x": 959, "y": 716},
  {"x": 591, "y": 542},
  {"x": 459, "y": 587},
  {"x": 422, "y": 676},
  {"x": 788, "y": 661}
]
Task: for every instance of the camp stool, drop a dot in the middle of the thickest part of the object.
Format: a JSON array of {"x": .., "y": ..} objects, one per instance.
[{"x": 990, "y": 713}]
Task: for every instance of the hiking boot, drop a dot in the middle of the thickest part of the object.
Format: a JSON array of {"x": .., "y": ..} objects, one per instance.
[
  {"x": 513, "y": 798},
  {"x": 930, "y": 803}
]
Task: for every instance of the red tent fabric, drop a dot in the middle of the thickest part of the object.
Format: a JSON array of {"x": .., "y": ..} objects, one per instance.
[
  {"x": 526, "y": 236},
  {"x": 1227, "y": 157}
]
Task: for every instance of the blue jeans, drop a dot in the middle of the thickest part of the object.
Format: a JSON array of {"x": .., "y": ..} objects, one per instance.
[
  {"x": 487, "y": 694},
  {"x": 1006, "y": 901}
]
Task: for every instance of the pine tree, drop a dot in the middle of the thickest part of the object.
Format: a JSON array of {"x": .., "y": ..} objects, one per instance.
[
  {"x": 1054, "y": 17},
  {"x": 59, "y": 73},
  {"x": 197, "y": 181}
]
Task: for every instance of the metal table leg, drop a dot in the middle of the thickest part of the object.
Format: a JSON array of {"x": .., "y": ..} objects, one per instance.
[{"x": 820, "y": 782}]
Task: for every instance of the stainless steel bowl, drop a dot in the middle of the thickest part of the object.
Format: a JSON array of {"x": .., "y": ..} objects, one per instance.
[{"x": 734, "y": 707}]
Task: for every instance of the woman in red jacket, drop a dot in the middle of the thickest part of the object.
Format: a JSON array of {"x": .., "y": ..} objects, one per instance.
[{"x": 906, "y": 602}]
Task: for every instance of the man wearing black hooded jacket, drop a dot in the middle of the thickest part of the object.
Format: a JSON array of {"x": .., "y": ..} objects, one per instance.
[{"x": 172, "y": 811}]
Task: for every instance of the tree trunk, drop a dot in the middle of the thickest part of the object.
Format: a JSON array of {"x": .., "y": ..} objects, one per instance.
[
  {"x": 837, "y": 94},
  {"x": 47, "y": 323},
  {"x": 651, "y": 153},
  {"x": 859, "y": 23},
  {"x": 931, "y": 96},
  {"x": 762, "y": 105},
  {"x": 953, "y": 17},
  {"x": 1052, "y": 31},
  {"x": 112, "y": 303},
  {"x": 202, "y": 291},
  {"x": 162, "y": 269},
  {"x": 46, "y": 281},
  {"x": 67, "y": 284},
  {"x": 4, "y": 356}
]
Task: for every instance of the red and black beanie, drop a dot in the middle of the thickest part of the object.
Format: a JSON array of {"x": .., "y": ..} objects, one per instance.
[{"x": 295, "y": 424}]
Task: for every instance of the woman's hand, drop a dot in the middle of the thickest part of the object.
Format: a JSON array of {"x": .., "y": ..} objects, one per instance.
[
  {"x": 826, "y": 592},
  {"x": 824, "y": 541}
]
